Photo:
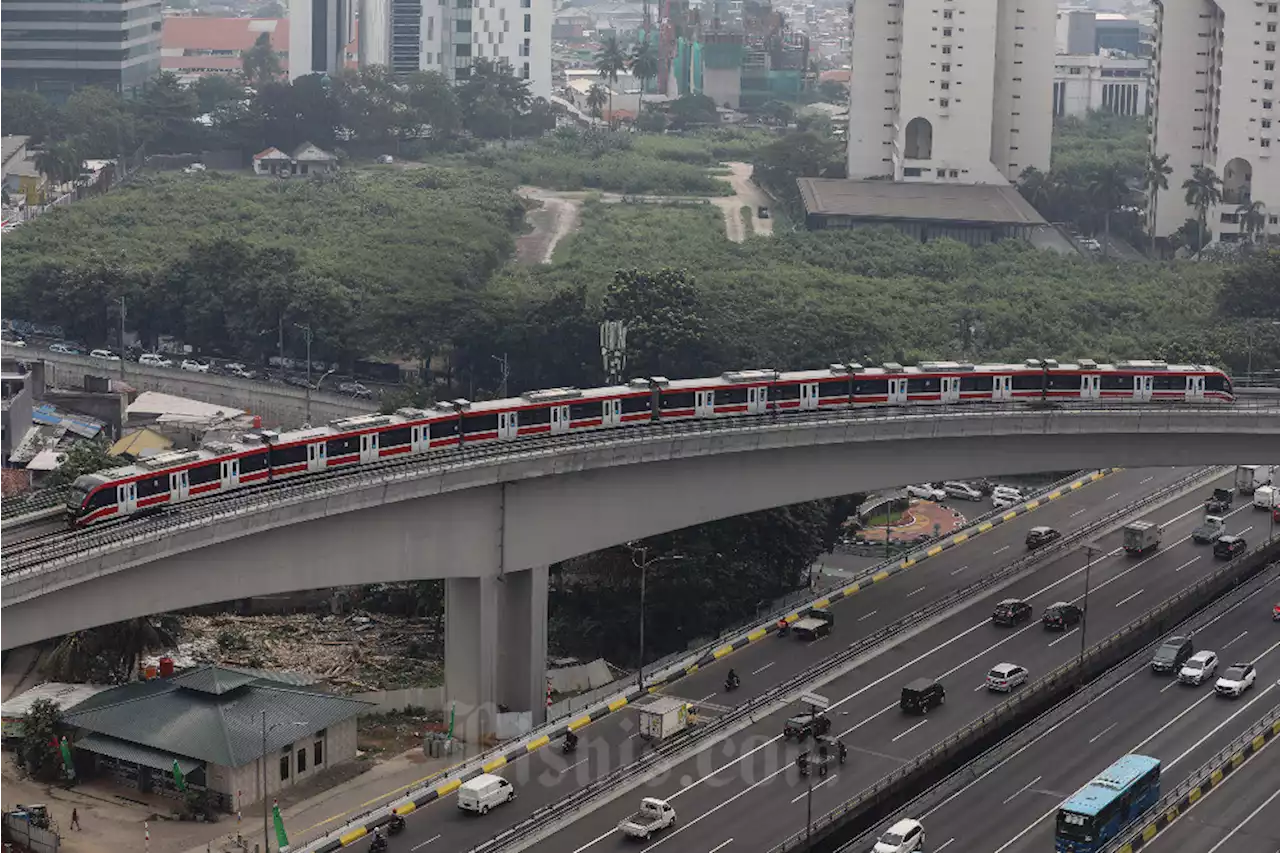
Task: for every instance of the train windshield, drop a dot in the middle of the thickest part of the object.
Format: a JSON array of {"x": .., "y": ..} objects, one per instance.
[{"x": 76, "y": 497}]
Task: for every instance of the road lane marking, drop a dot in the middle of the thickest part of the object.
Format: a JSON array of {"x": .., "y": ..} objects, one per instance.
[
  {"x": 425, "y": 843},
  {"x": 913, "y": 592},
  {"x": 998, "y": 550},
  {"x": 959, "y": 570},
  {"x": 1063, "y": 637},
  {"x": 1078, "y": 512},
  {"x": 1239, "y": 636},
  {"x": 721, "y": 845},
  {"x": 1116, "y": 495},
  {"x": 1219, "y": 726},
  {"x": 1099, "y": 735},
  {"x": 1187, "y": 563},
  {"x": 869, "y": 615},
  {"x": 1129, "y": 598},
  {"x": 705, "y": 698},
  {"x": 943, "y": 845},
  {"x": 1148, "y": 480},
  {"x": 1170, "y": 685},
  {"x": 1241, "y": 824},
  {"x": 909, "y": 731},
  {"x": 571, "y": 766},
  {"x": 815, "y": 787},
  {"x": 757, "y": 672},
  {"x": 1021, "y": 790}
]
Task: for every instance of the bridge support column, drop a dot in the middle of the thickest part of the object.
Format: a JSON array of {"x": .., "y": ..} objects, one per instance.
[{"x": 495, "y": 648}]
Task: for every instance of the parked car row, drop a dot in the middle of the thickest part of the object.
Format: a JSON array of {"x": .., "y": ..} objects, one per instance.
[{"x": 1001, "y": 496}]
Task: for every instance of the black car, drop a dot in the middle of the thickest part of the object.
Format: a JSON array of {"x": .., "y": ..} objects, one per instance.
[
  {"x": 1172, "y": 654},
  {"x": 1038, "y": 536},
  {"x": 805, "y": 726},
  {"x": 1227, "y": 547},
  {"x": 921, "y": 695},
  {"x": 1061, "y": 615},
  {"x": 1011, "y": 611}
]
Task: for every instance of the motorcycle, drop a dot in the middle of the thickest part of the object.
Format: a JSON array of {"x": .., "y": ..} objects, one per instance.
[
  {"x": 732, "y": 684},
  {"x": 569, "y": 745},
  {"x": 379, "y": 845},
  {"x": 396, "y": 826}
]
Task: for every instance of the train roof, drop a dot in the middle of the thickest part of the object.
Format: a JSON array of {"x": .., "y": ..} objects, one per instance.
[{"x": 1090, "y": 799}]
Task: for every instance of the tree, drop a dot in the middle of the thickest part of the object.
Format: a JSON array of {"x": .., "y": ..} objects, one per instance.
[
  {"x": 110, "y": 654},
  {"x": 493, "y": 99},
  {"x": 644, "y": 67},
  {"x": 666, "y": 328},
  {"x": 260, "y": 63},
  {"x": 29, "y": 114},
  {"x": 433, "y": 104},
  {"x": 833, "y": 92},
  {"x": 692, "y": 109},
  {"x": 1108, "y": 190},
  {"x": 1155, "y": 177},
  {"x": 777, "y": 112},
  {"x": 215, "y": 90},
  {"x": 84, "y": 457},
  {"x": 1038, "y": 188},
  {"x": 1251, "y": 290},
  {"x": 610, "y": 62},
  {"x": 1253, "y": 220},
  {"x": 38, "y": 750},
  {"x": 597, "y": 97},
  {"x": 1203, "y": 190},
  {"x": 59, "y": 162},
  {"x": 167, "y": 112},
  {"x": 105, "y": 125}
]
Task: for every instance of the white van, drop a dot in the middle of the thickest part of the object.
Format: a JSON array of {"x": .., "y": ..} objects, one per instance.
[
  {"x": 1266, "y": 497},
  {"x": 484, "y": 792}
]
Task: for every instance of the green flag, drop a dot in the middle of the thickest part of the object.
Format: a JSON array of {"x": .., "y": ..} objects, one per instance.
[
  {"x": 178, "y": 778},
  {"x": 282, "y": 840},
  {"x": 66, "y": 758},
  {"x": 453, "y": 709}
]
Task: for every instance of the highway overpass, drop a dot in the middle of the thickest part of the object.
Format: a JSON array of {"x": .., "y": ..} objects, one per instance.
[{"x": 490, "y": 520}]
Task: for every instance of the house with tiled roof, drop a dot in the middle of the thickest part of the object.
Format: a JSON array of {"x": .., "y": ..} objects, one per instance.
[
  {"x": 193, "y": 46},
  {"x": 272, "y": 161}
]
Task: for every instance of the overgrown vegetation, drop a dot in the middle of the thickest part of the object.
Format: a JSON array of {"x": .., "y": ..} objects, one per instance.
[{"x": 38, "y": 753}]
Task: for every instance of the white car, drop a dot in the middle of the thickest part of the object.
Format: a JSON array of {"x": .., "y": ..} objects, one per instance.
[
  {"x": 1003, "y": 677},
  {"x": 16, "y": 343},
  {"x": 927, "y": 492},
  {"x": 905, "y": 836},
  {"x": 194, "y": 366},
  {"x": 1008, "y": 493},
  {"x": 1238, "y": 678},
  {"x": 962, "y": 490},
  {"x": 104, "y": 354},
  {"x": 65, "y": 349},
  {"x": 1199, "y": 668},
  {"x": 1004, "y": 501},
  {"x": 152, "y": 359}
]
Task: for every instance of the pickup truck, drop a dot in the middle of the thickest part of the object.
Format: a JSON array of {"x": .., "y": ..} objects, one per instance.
[
  {"x": 1210, "y": 530},
  {"x": 804, "y": 726},
  {"x": 815, "y": 624},
  {"x": 1219, "y": 502},
  {"x": 654, "y": 815}
]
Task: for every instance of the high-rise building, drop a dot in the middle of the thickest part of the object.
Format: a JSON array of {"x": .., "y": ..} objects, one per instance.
[
  {"x": 1215, "y": 107},
  {"x": 951, "y": 90},
  {"x": 319, "y": 31},
  {"x": 58, "y": 47},
  {"x": 450, "y": 36}
]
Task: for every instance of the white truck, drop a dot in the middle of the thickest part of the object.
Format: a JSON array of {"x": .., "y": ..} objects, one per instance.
[
  {"x": 654, "y": 815},
  {"x": 1250, "y": 477},
  {"x": 1141, "y": 537},
  {"x": 664, "y": 717},
  {"x": 1266, "y": 497}
]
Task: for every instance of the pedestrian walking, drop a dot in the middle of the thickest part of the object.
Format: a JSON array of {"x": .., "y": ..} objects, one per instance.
[{"x": 75, "y": 819}]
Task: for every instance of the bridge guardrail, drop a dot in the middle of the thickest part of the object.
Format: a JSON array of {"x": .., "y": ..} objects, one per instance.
[
  {"x": 887, "y": 795},
  {"x": 18, "y": 508},
  {"x": 626, "y": 775}
]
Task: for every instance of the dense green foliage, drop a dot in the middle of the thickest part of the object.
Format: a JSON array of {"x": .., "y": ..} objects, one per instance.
[
  {"x": 110, "y": 654},
  {"x": 1084, "y": 145},
  {"x": 38, "y": 753}
]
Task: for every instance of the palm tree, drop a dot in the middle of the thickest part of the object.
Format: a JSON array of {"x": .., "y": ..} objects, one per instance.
[
  {"x": 1253, "y": 219},
  {"x": 644, "y": 66},
  {"x": 59, "y": 162},
  {"x": 1108, "y": 190},
  {"x": 610, "y": 62},
  {"x": 1155, "y": 177},
  {"x": 1203, "y": 191},
  {"x": 597, "y": 96},
  {"x": 1038, "y": 188},
  {"x": 260, "y": 63}
]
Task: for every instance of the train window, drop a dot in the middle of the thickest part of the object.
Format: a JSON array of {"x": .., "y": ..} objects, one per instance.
[
  {"x": 103, "y": 497},
  {"x": 924, "y": 384},
  {"x": 865, "y": 387},
  {"x": 1064, "y": 382},
  {"x": 1028, "y": 382},
  {"x": 633, "y": 405},
  {"x": 204, "y": 474},
  {"x": 397, "y": 437},
  {"x": 1215, "y": 383},
  {"x": 282, "y": 456},
  {"x": 1116, "y": 382},
  {"x": 730, "y": 396},
  {"x": 472, "y": 424},
  {"x": 1168, "y": 383},
  {"x": 252, "y": 462},
  {"x": 785, "y": 392},
  {"x": 444, "y": 429},
  {"x": 678, "y": 400},
  {"x": 827, "y": 390},
  {"x": 159, "y": 484},
  {"x": 585, "y": 411},
  {"x": 533, "y": 417},
  {"x": 976, "y": 383},
  {"x": 343, "y": 446}
]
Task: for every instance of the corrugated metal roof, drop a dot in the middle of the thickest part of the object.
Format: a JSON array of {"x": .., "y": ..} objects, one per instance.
[
  {"x": 138, "y": 754},
  {"x": 881, "y": 200},
  {"x": 212, "y": 679}
]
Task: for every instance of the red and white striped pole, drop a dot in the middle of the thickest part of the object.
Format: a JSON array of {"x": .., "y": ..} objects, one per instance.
[
  {"x": 146, "y": 833},
  {"x": 548, "y": 692}
]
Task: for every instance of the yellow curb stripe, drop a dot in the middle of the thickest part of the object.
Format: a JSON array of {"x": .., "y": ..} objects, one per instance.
[
  {"x": 879, "y": 576},
  {"x": 618, "y": 703},
  {"x": 721, "y": 652},
  {"x": 934, "y": 551},
  {"x": 579, "y": 723},
  {"x": 960, "y": 539},
  {"x": 1032, "y": 505},
  {"x": 495, "y": 764},
  {"x": 985, "y": 526},
  {"x": 538, "y": 743},
  {"x": 405, "y": 808},
  {"x": 353, "y": 836},
  {"x": 1009, "y": 516},
  {"x": 758, "y": 633},
  {"x": 852, "y": 589}
]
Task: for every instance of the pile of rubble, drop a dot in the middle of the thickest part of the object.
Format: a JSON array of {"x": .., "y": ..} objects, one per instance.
[{"x": 350, "y": 653}]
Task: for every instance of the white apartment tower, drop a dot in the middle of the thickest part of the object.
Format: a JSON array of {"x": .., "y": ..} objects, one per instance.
[
  {"x": 951, "y": 90},
  {"x": 1215, "y": 106},
  {"x": 319, "y": 31}
]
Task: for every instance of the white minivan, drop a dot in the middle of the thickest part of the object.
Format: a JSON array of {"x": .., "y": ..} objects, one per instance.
[{"x": 484, "y": 792}]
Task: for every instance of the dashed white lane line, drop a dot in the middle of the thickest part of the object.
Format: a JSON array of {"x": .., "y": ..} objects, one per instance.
[
  {"x": 757, "y": 672},
  {"x": 1129, "y": 598},
  {"x": 1099, "y": 735},
  {"x": 998, "y": 550},
  {"x": 909, "y": 731},
  {"x": 1022, "y": 789}
]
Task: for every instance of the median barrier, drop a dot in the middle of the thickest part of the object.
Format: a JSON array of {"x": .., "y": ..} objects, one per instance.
[{"x": 851, "y": 819}]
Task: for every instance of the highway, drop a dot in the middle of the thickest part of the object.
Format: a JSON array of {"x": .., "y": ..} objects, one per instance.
[
  {"x": 1241, "y": 816},
  {"x": 1011, "y": 809},
  {"x": 548, "y": 775},
  {"x": 750, "y": 780}
]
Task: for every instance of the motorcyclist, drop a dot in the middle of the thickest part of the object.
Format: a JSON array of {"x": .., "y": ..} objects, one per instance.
[
  {"x": 570, "y": 742},
  {"x": 397, "y": 825},
  {"x": 379, "y": 842},
  {"x": 731, "y": 680},
  {"x": 844, "y": 750}
]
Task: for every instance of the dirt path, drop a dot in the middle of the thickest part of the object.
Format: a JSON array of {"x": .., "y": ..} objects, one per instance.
[
  {"x": 745, "y": 192},
  {"x": 557, "y": 218}
]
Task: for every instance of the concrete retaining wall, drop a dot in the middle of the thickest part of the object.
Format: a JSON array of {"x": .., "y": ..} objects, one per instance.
[{"x": 387, "y": 701}]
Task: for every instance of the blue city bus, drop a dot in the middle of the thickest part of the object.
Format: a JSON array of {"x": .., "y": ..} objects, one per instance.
[{"x": 1117, "y": 797}]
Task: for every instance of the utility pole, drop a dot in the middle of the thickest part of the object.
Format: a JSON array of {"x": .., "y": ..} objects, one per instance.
[
  {"x": 1084, "y": 611},
  {"x": 121, "y": 338},
  {"x": 506, "y": 372},
  {"x": 306, "y": 333},
  {"x": 266, "y": 832}
]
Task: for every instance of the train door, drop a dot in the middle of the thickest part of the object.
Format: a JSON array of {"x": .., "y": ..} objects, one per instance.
[
  {"x": 611, "y": 413},
  {"x": 757, "y": 400},
  {"x": 808, "y": 395},
  {"x": 229, "y": 473},
  {"x": 316, "y": 456},
  {"x": 369, "y": 447},
  {"x": 1195, "y": 388},
  {"x": 950, "y": 389},
  {"x": 419, "y": 441},
  {"x": 179, "y": 486},
  {"x": 1002, "y": 387},
  {"x": 898, "y": 390},
  {"x": 1090, "y": 386},
  {"x": 508, "y": 424},
  {"x": 560, "y": 419},
  {"x": 704, "y": 404},
  {"x": 127, "y": 498},
  {"x": 1142, "y": 388}
]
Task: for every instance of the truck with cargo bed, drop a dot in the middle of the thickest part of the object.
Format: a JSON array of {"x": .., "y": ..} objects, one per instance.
[
  {"x": 1249, "y": 477},
  {"x": 816, "y": 623},
  {"x": 663, "y": 717},
  {"x": 1141, "y": 537},
  {"x": 1219, "y": 503},
  {"x": 1210, "y": 530},
  {"x": 654, "y": 815}
]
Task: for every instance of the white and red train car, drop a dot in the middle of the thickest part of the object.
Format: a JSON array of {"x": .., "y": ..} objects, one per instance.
[{"x": 172, "y": 478}]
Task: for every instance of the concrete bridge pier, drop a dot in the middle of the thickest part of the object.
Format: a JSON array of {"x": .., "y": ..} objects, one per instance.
[{"x": 495, "y": 648}]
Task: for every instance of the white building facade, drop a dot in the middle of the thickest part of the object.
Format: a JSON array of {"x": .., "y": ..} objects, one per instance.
[
  {"x": 1100, "y": 84},
  {"x": 319, "y": 31},
  {"x": 951, "y": 90},
  {"x": 1214, "y": 105}
]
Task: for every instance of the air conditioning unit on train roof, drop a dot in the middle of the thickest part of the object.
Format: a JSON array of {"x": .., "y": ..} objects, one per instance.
[
  {"x": 409, "y": 413},
  {"x": 462, "y": 404},
  {"x": 1050, "y": 362},
  {"x": 168, "y": 460},
  {"x": 1032, "y": 362},
  {"x": 219, "y": 447},
  {"x": 552, "y": 395},
  {"x": 1143, "y": 364},
  {"x": 946, "y": 365},
  {"x": 752, "y": 375},
  {"x": 1087, "y": 364},
  {"x": 360, "y": 421},
  {"x": 892, "y": 367}
]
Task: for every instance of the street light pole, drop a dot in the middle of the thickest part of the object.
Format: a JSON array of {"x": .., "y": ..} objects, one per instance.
[
  {"x": 306, "y": 333},
  {"x": 808, "y": 821},
  {"x": 1084, "y": 612},
  {"x": 266, "y": 832},
  {"x": 122, "y": 338}
]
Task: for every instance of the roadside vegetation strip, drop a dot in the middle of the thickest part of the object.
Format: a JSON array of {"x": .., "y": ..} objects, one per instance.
[{"x": 1211, "y": 775}]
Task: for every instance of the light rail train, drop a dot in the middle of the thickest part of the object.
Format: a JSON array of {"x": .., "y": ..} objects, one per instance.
[{"x": 266, "y": 455}]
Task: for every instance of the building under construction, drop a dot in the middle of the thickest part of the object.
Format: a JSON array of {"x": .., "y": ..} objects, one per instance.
[{"x": 740, "y": 58}]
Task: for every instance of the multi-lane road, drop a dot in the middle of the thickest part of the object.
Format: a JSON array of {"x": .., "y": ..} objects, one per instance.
[{"x": 882, "y": 743}]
